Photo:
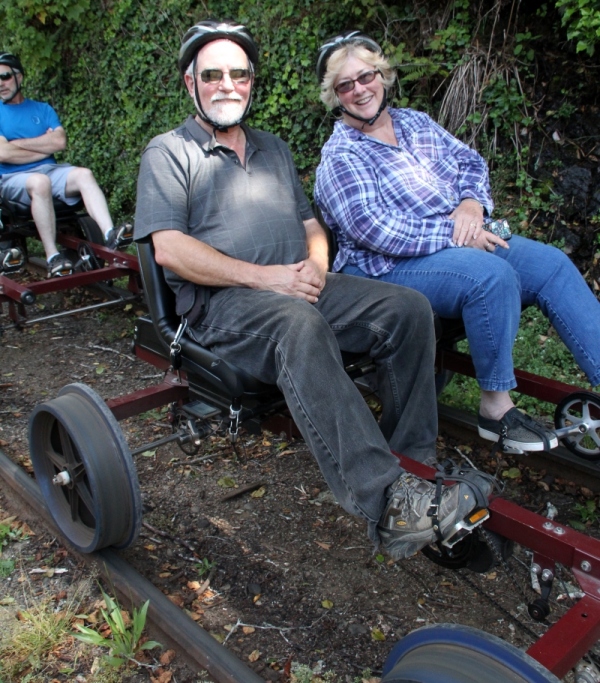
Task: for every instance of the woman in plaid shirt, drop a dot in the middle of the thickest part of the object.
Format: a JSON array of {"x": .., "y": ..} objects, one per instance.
[{"x": 408, "y": 203}]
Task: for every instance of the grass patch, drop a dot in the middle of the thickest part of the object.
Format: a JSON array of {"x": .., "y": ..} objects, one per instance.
[{"x": 39, "y": 633}]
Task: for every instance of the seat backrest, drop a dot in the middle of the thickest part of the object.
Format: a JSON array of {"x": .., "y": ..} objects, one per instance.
[{"x": 195, "y": 359}]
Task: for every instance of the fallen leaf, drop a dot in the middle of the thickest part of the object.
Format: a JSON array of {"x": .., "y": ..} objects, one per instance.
[
  {"x": 376, "y": 634},
  {"x": 325, "y": 546},
  {"x": 254, "y": 656},
  {"x": 259, "y": 493},
  {"x": 247, "y": 630},
  {"x": 327, "y": 604},
  {"x": 226, "y": 482},
  {"x": 167, "y": 657},
  {"x": 512, "y": 473}
]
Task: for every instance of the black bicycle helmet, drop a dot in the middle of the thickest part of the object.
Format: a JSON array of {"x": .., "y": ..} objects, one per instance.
[
  {"x": 12, "y": 61},
  {"x": 14, "y": 64},
  {"x": 206, "y": 31},
  {"x": 335, "y": 43}
]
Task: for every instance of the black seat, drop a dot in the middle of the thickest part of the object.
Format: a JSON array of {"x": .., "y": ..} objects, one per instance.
[
  {"x": 196, "y": 361},
  {"x": 15, "y": 215}
]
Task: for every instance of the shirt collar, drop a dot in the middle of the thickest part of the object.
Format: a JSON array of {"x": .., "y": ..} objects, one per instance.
[{"x": 209, "y": 142}]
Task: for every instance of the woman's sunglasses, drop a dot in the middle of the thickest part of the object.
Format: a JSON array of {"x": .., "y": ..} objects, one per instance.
[
  {"x": 216, "y": 75},
  {"x": 6, "y": 76},
  {"x": 363, "y": 79}
]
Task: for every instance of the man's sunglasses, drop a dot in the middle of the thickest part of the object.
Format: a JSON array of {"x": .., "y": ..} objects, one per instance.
[
  {"x": 6, "y": 76},
  {"x": 363, "y": 79},
  {"x": 216, "y": 75}
]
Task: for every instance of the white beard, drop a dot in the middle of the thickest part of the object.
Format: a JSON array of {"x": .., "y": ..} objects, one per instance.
[{"x": 226, "y": 112}]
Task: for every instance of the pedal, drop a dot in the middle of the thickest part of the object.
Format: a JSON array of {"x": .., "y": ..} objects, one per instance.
[
  {"x": 11, "y": 260},
  {"x": 466, "y": 526}
]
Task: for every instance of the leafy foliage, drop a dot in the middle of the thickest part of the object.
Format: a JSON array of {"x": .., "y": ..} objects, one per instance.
[
  {"x": 125, "y": 638},
  {"x": 109, "y": 68},
  {"x": 582, "y": 19}
]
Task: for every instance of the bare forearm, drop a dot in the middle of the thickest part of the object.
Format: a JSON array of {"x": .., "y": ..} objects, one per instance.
[
  {"x": 197, "y": 262},
  {"x": 51, "y": 142},
  {"x": 11, "y": 154}
]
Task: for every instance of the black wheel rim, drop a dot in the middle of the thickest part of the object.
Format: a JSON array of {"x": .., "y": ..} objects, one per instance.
[{"x": 96, "y": 502}]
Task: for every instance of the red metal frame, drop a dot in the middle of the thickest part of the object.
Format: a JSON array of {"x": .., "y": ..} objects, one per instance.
[
  {"x": 532, "y": 385},
  {"x": 118, "y": 265},
  {"x": 567, "y": 641}
]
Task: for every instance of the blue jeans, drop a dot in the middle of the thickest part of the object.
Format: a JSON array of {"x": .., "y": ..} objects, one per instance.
[
  {"x": 296, "y": 345},
  {"x": 488, "y": 291}
]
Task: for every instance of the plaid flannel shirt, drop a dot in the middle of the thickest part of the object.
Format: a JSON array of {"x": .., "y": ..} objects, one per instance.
[{"x": 385, "y": 202}]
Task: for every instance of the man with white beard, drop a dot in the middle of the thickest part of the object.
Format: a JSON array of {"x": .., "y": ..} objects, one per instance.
[{"x": 240, "y": 247}]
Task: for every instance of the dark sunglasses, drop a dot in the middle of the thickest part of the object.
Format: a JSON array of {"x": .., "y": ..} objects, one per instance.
[
  {"x": 216, "y": 75},
  {"x": 6, "y": 76},
  {"x": 363, "y": 79}
]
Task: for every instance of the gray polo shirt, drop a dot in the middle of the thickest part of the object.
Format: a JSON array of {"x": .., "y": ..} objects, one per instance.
[{"x": 189, "y": 182}]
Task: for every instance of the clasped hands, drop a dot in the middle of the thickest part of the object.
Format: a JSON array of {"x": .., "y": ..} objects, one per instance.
[
  {"x": 302, "y": 280},
  {"x": 468, "y": 228}
]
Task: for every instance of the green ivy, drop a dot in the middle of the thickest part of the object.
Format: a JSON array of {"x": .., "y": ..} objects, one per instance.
[
  {"x": 582, "y": 20},
  {"x": 109, "y": 68}
]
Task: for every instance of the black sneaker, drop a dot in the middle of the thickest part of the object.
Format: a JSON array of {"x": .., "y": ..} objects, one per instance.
[
  {"x": 517, "y": 430},
  {"x": 120, "y": 237},
  {"x": 408, "y": 523},
  {"x": 59, "y": 265}
]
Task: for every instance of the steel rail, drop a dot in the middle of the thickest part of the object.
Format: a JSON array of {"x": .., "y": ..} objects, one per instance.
[{"x": 182, "y": 633}]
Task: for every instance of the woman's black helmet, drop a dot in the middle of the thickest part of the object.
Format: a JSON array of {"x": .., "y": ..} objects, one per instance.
[
  {"x": 12, "y": 61},
  {"x": 333, "y": 44},
  {"x": 206, "y": 31}
]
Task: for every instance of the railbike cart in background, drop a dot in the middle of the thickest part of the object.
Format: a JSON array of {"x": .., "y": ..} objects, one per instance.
[
  {"x": 80, "y": 236},
  {"x": 87, "y": 477}
]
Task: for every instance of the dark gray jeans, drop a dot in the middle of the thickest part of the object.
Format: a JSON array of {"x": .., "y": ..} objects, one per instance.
[{"x": 296, "y": 345}]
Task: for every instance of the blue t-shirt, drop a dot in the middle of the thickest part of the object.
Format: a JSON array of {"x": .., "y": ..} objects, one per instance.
[{"x": 30, "y": 119}]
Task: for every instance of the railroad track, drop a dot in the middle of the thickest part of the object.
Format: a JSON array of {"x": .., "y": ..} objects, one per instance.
[{"x": 170, "y": 624}]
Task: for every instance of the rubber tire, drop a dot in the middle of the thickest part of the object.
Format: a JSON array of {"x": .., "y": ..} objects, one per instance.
[
  {"x": 102, "y": 506},
  {"x": 472, "y": 553},
  {"x": 451, "y": 653},
  {"x": 92, "y": 233},
  {"x": 585, "y": 399}
]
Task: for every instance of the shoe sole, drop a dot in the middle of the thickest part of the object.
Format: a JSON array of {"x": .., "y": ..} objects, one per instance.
[{"x": 523, "y": 445}]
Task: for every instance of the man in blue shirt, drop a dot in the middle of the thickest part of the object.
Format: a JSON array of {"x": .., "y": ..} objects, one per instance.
[{"x": 30, "y": 135}]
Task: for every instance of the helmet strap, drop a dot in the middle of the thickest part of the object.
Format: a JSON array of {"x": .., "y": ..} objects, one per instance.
[{"x": 371, "y": 121}]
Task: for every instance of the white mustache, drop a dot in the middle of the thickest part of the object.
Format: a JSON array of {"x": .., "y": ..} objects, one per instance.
[{"x": 219, "y": 97}]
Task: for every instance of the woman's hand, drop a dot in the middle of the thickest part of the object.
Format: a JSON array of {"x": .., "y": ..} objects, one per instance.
[
  {"x": 468, "y": 219},
  {"x": 486, "y": 241}
]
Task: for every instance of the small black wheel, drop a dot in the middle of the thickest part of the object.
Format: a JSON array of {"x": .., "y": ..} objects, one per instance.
[
  {"x": 539, "y": 609},
  {"x": 479, "y": 551},
  {"x": 581, "y": 408},
  {"x": 85, "y": 470},
  {"x": 87, "y": 260},
  {"x": 92, "y": 233},
  {"x": 451, "y": 653}
]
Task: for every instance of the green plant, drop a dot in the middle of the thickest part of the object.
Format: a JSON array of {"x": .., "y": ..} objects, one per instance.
[
  {"x": 9, "y": 533},
  {"x": 588, "y": 514},
  {"x": 582, "y": 21},
  {"x": 203, "y": 568},
  {"x": 7, "y": 567},
  {"x": 125, "y": 639}
]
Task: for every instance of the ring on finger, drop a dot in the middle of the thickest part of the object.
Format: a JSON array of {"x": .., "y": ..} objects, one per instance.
[{"x": 472, "y": 224}]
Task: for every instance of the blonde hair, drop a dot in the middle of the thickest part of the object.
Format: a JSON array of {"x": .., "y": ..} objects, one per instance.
[{"x": 336, "y": 63}]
